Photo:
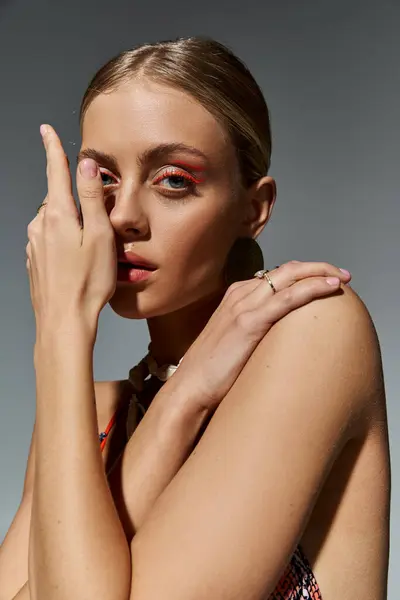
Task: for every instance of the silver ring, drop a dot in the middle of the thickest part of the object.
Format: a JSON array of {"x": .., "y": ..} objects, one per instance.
[{"x": 263, "y": 274}]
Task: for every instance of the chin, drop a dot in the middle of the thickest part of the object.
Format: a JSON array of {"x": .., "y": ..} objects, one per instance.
[
  {"x": 145, "y": 304},
  {"x": 141, "y": 303},
  {"x": 132, "y": 304}
]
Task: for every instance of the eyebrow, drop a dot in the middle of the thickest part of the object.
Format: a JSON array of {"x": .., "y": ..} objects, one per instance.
[{"x": 149, "y": 156}]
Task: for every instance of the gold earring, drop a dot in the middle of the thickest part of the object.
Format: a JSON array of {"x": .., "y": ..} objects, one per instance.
[{"x": 244, "y": 259}]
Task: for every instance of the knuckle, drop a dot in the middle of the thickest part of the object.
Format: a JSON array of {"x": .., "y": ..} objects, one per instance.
[
  {"x": 237, "y": 289},
  {"x": 292, "y": 264},
  {"x": 310, "y": 288},
  {"x": 324, "y": 267},
  {"x": 238, "y": 308},
  {"x": 234, "y": 286},
  {"x": 316, "y": 283},
  {"x": 228, "y": 294},
  {"x": 286, "y": 266},
  {"x": 286, "y": 296},
  {"x": 91, "y": 193},
  {"x": 327, "y": 267},
  {"x": 232, "y": 294},
  {"x": 31, "y": 228},
  {"x": 52, "y": 214},
  {"x": 244, "y": 321}
]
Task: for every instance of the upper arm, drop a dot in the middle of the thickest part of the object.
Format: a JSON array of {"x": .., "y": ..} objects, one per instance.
[{"x": 230, "y": 520}]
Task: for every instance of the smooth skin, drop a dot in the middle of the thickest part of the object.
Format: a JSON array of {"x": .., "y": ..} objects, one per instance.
[
  {"x": 234, "y": 465},
  {"x": 142, "y": 455}
]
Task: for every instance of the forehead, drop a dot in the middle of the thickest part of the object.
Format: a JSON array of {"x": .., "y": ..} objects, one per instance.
[{"x": 143, "y": 113}]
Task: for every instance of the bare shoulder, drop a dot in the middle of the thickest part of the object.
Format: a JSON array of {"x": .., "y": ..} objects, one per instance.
[
  {"x": 343, "y": 311},
  {"x": 339, "y": 345},
  {"x": 271, "y": 446},
  {"x": 334, "y": 335}
]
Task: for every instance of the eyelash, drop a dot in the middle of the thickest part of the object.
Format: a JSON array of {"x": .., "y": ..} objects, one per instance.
[{"x": 171, "y": 172}]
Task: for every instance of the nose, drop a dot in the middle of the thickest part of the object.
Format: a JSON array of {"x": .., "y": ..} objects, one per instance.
[{"x": 127, "y": 216}]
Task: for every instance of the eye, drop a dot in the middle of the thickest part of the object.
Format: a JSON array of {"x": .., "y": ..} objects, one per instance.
[
  {"x": 180, "y": 181},
  {"x": 107, "y": 175}
]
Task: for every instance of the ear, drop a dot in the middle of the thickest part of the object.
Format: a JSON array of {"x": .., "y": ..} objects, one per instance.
[{"x": 259, "y": 200}]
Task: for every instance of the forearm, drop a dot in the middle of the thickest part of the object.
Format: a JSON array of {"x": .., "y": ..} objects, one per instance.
[
  {"x": 155, "y": 452},
  {"x": 77, "y": 546}
]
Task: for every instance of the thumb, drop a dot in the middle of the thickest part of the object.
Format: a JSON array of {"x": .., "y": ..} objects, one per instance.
[{"x": 91, "y": 193}]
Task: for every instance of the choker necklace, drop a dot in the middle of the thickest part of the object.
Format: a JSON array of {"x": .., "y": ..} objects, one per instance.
[{"x": 137, "y": 375}]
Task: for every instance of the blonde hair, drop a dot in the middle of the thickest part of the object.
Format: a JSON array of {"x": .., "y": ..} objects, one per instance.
[{"x": 211, "y": 73}]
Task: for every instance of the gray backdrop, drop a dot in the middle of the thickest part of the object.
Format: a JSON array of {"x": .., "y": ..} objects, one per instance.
[{"x": 330, "y": 74}]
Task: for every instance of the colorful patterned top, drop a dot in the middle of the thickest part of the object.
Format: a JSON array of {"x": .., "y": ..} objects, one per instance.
[{"x": 297, "y": 582}]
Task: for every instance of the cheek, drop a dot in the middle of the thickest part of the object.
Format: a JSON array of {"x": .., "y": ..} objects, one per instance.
[
  {"x": 196, "y": 248},
  {"x": 191, "y": 250}
]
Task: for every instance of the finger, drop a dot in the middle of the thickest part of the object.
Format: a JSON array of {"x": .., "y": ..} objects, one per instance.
[
  {"x": 298, "y": 294},
  {"x": 286, "y": 275},
  {"x": 250, "y": 294},
  {"x": 293, "y": 271},
  {"x": 59, "y": 183},
  {"x": 91, "y": 195},
  {"x": 236, "y": 290},
  {"x": 241, "y": 290}
]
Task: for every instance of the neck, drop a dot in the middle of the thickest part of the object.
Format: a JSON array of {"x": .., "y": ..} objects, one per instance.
[{"x": 172, "y": 334}]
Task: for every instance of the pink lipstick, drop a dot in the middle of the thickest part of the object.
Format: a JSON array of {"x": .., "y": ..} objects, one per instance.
[{"x": 132, "y": 267}]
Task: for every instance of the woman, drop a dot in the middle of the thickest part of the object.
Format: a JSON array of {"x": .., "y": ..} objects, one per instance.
[{"x": 261, "y": 466}]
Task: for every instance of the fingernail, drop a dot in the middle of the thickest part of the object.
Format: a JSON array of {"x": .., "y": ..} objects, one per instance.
[
  {"x": 332, "y": 280},
  {"x": 43, "y": 130},
  {"x": 346, "y": 272},
  {"x": 88, "y": 168}
]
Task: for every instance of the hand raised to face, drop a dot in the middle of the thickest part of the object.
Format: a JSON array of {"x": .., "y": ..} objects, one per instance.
[{"x": 72, "y": 267}]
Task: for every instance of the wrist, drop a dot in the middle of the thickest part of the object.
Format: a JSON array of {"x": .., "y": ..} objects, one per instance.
[
  {"x": 177, "y": 419},
  {"x": 182, "y": 402},
  {"x": 70, "y": 334}
]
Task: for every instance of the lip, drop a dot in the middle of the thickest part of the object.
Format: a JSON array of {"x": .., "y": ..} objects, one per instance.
[
  {"x": 135, "y": 259},
  {"x": 132, "y": 275}
]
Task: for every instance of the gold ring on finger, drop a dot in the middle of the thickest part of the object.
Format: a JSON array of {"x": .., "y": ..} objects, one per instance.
[{"x": 263, "y": 274}]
